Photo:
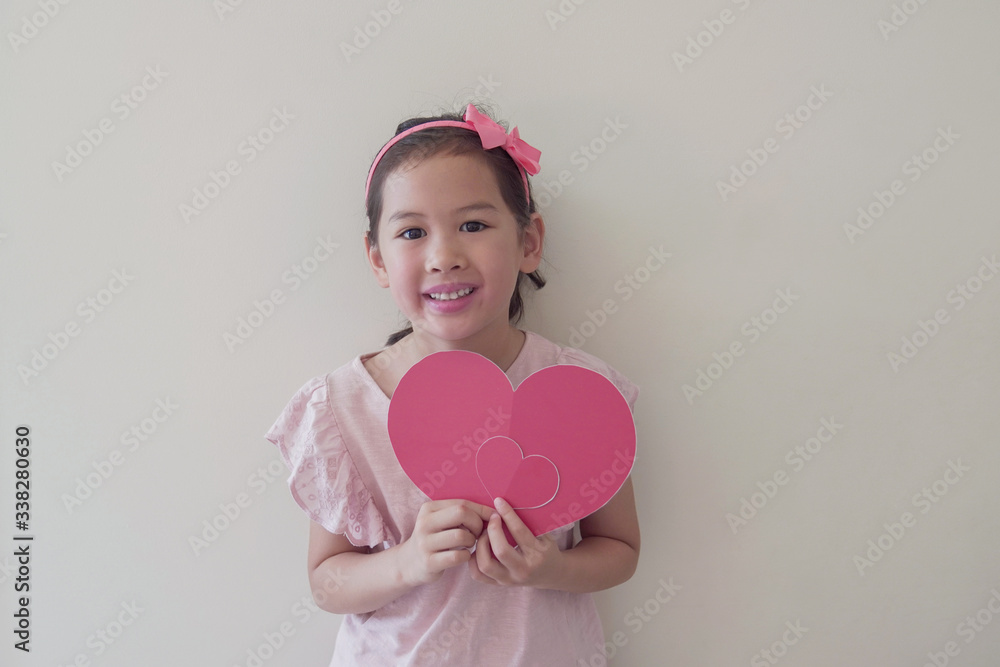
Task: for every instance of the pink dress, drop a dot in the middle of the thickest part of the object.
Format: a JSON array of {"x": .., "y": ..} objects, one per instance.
[{"x": 334, "y": 439}]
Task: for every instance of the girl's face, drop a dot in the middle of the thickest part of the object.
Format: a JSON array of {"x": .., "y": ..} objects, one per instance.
[{"x": 444, "y": 229}]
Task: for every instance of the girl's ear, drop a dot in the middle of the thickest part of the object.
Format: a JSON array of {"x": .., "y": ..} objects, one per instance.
[
  {"x": 534, "y": 235},
  {"x": 375, "y": 259}
]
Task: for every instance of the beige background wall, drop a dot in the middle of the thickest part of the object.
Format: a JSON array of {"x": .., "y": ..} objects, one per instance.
[{"x": 824, "y": 491}]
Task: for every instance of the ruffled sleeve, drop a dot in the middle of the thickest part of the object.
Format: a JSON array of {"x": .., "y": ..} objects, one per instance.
[
  {"x": 572, "y": 355},
  {"x": 324, "y": 480}
]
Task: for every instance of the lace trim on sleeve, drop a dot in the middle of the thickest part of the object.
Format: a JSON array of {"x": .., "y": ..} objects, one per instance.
[{"x": 324, "y": 480}]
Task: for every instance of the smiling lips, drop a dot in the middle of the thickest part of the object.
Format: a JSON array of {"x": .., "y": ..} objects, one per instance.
[
  {"x": 449, "y": 292},
  {"x": 448, "y": 296}
]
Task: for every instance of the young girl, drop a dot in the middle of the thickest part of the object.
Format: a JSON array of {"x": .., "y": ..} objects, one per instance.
[{"x": 453, "y": 233}]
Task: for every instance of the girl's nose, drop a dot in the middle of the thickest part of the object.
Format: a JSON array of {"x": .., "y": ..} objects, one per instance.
[{"x": 445, "y": 255}]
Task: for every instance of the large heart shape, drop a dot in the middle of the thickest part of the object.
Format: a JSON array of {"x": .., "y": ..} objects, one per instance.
[{"x": 449, "y": 403}]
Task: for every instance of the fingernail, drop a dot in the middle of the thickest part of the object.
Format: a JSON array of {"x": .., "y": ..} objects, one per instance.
[{"x": 499, "y": 503}]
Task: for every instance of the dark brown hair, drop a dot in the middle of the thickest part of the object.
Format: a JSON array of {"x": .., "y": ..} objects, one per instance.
[{"x": 454, "y": 141}]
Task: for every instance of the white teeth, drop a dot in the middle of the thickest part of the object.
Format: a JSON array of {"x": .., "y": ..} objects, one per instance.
[{"x": 448, "y": 296}]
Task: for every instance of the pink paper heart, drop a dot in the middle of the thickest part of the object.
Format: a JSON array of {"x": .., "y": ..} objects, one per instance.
[
  {"x": 449, "y": 403},
  {"x": 526, "y": 482}
]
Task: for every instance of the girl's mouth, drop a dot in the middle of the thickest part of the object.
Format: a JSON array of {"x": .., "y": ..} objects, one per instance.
[
  {"x": 451, "y": 296},
  {"x": 450, "y": 302}
]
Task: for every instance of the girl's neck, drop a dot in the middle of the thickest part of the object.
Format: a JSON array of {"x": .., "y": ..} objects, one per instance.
[{"x": 501, "y": 347}]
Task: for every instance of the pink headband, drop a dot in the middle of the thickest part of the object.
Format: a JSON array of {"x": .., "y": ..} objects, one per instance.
[{"x": 492, "y": 136}]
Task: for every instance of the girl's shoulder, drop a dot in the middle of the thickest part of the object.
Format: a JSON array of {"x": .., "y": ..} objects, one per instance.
[
  {"x": 383, "y": 369},
  {"x": 318, "y": 388},
  {"x": 313, "y": 435},
  {"x": 322, "y": 400}
]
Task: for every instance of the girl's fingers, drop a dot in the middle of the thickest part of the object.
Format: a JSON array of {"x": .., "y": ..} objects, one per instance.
[
  {"x": 520, "y": 532},
  {"x": 447, "y": 514},
  {"x": 481, "y": 559},
  {"x": 448, "y": 540},
  {"x": 443, "y": 560},
  {"x": 485, "y": 562},
  {"x": 500, "y": 546}
]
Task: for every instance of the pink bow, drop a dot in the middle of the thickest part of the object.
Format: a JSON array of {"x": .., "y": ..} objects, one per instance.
[{"x": 492, "y": 136}]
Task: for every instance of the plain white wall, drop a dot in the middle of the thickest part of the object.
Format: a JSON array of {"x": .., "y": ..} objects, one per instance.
[{"x": 891, "y": 77}]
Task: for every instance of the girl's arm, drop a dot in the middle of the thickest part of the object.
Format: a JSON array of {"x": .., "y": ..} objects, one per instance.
[
  {"x": 606, "y": 555},
  {"x": 346, "y": 579}
]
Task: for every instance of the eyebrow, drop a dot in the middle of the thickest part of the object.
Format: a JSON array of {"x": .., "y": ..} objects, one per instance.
[{"x": 399, "y": 216}]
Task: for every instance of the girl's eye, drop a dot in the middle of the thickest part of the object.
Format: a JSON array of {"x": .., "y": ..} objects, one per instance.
[{"x": 414, "y": 233}]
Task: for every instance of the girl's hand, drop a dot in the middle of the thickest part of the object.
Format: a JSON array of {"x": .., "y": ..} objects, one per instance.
[
  {"x": 444, "y": 532},
  {"x": 535, "y": 562}
]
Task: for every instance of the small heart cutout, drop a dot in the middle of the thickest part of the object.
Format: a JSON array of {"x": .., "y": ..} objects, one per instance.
[{"x": 526, "y": 482}]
